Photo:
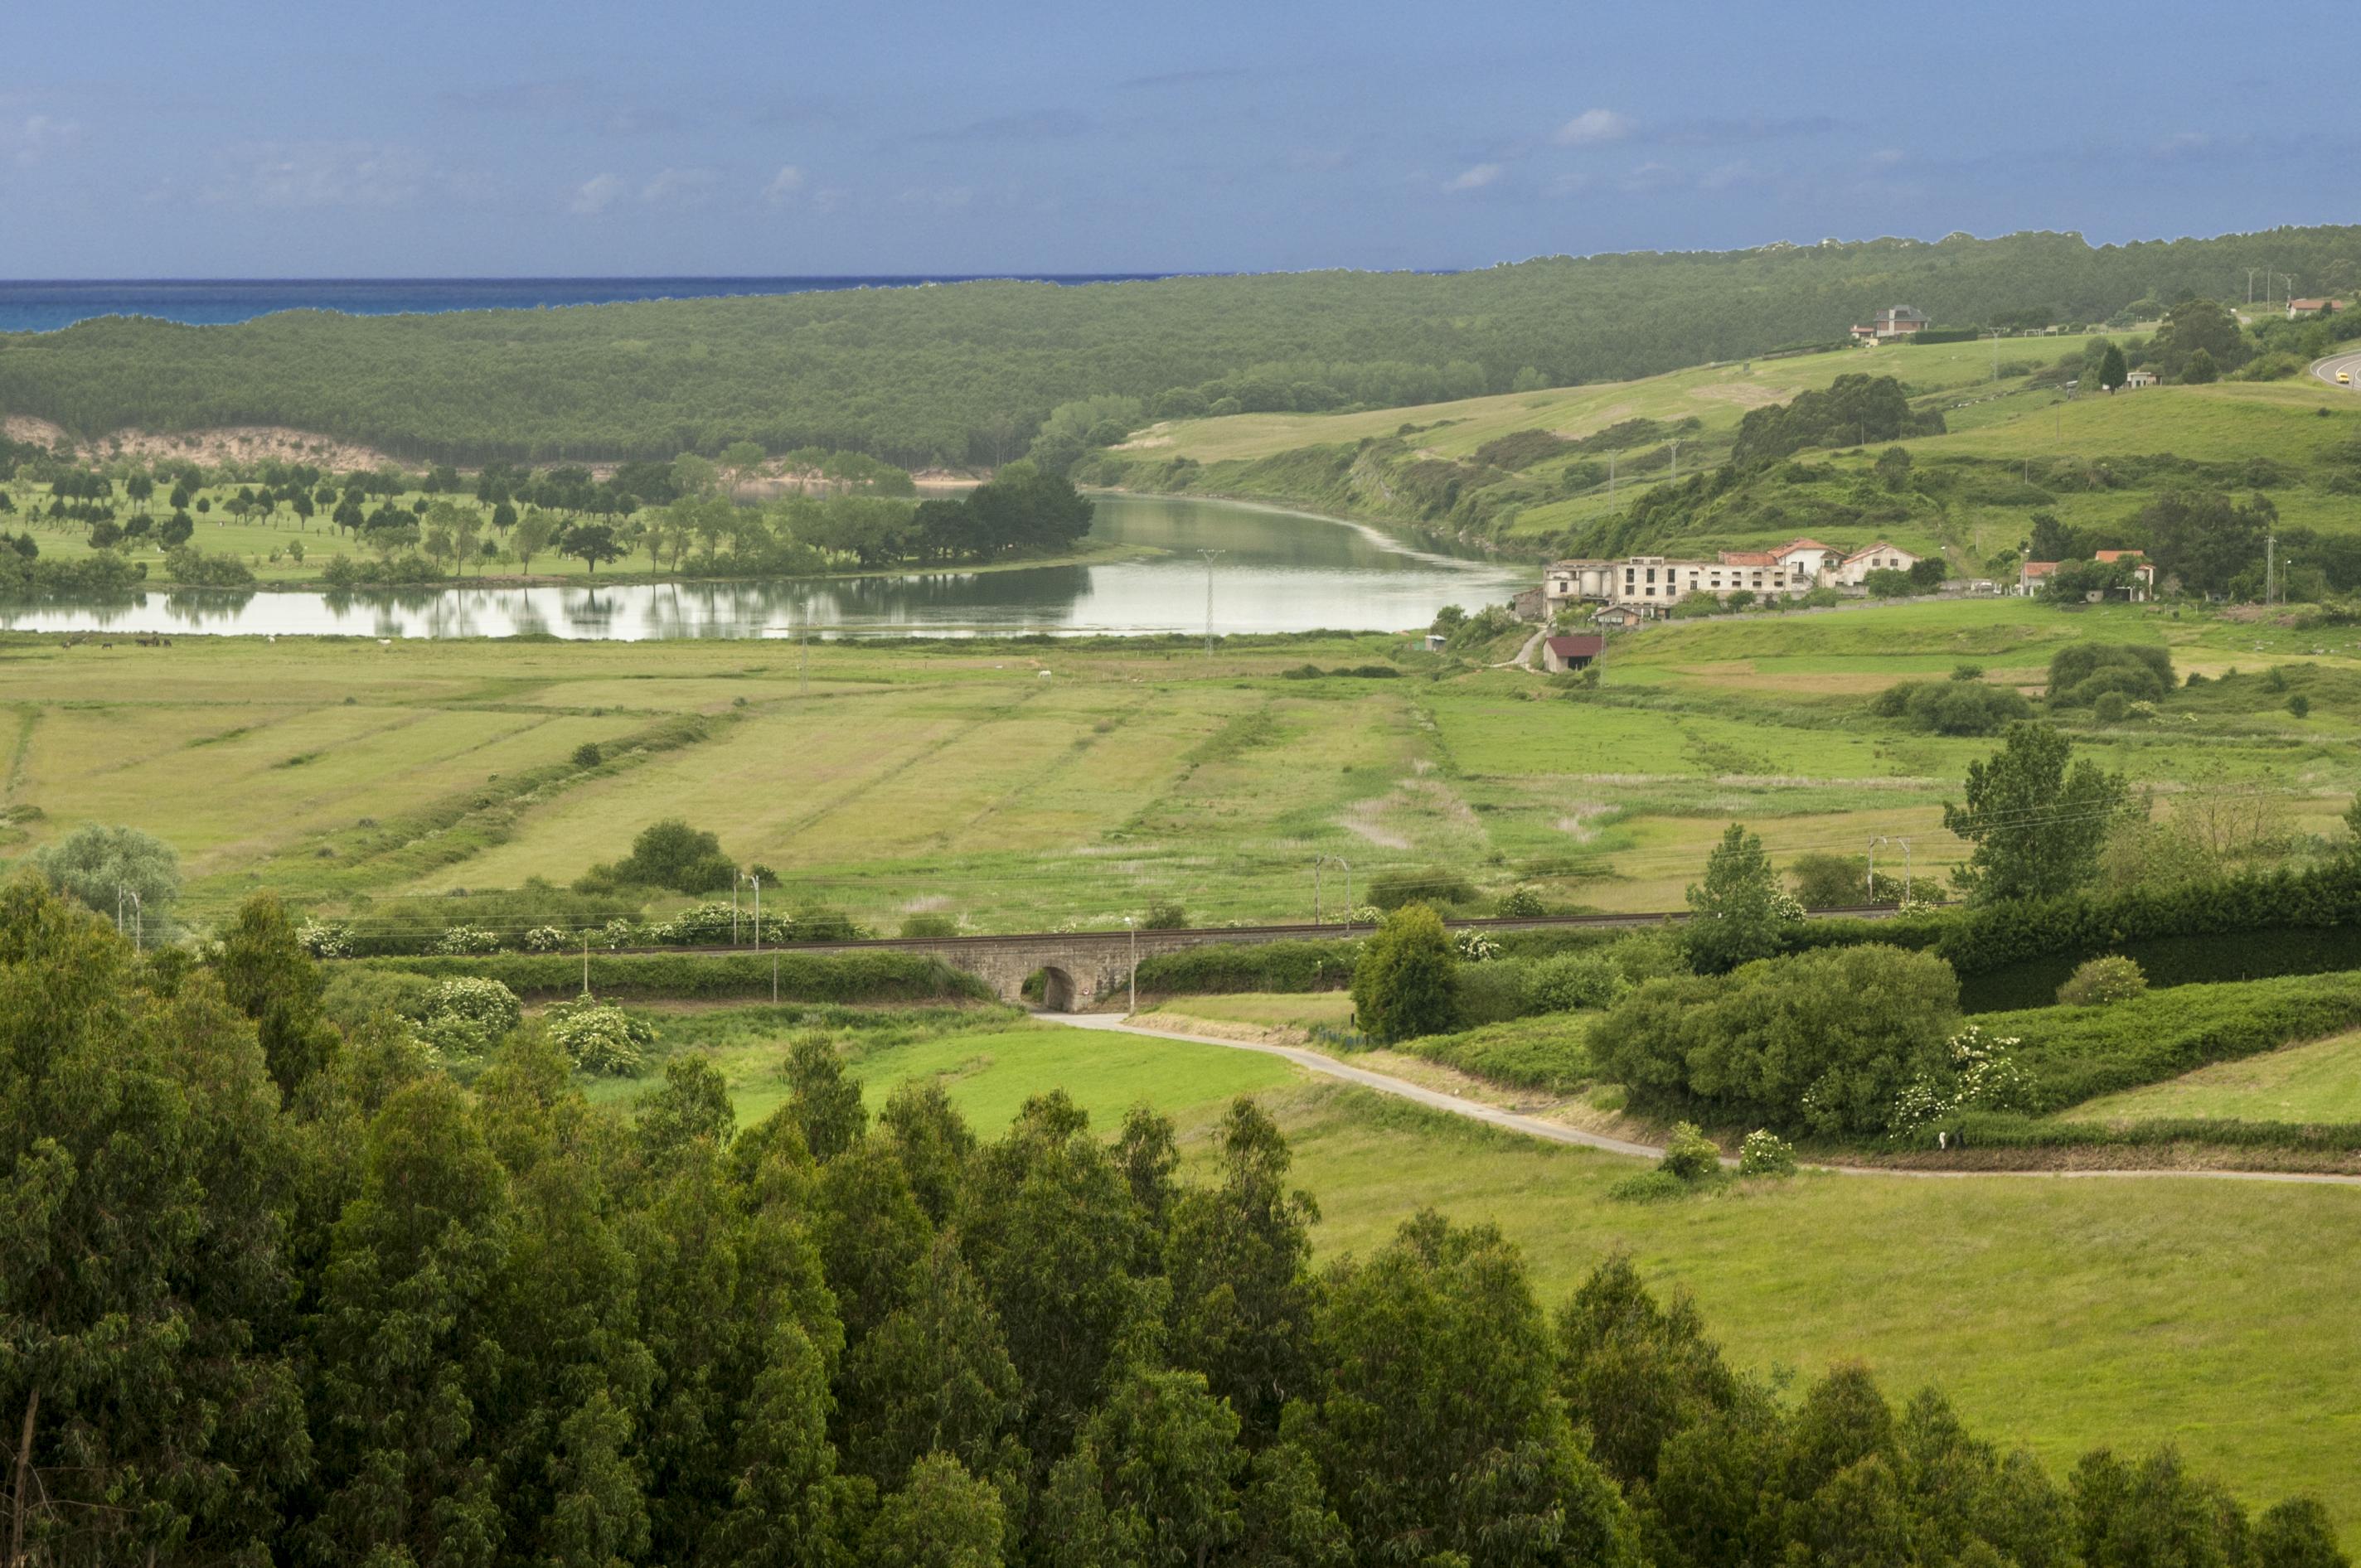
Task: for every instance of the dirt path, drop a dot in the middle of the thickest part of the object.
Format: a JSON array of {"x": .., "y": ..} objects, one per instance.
[{"x": 1552, "y": 1132}]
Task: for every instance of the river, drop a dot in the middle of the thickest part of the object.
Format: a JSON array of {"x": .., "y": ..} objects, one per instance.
[{"x": 1275, "y": 571}]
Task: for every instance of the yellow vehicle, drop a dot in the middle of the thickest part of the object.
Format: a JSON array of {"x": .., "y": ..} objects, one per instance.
[{"x": 2344, "y": 377}]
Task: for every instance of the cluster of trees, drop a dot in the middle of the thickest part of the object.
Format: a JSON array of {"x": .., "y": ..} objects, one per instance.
[
  {"x": 1853, "y": 411},
  {"x": 969, "y": 373},
  {"x": 272, "y": 1293}
]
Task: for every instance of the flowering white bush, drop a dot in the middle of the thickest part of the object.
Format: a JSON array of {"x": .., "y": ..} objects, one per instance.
[
  {"x": 601, "y": 1039},
  {"x": 325, "y": 940},
  {"x": 484, "y": 1002},
  {"x": 464, "y": 940},
  {"x": 1982, "y": 1075},
  {"x": 1765, "y": 1153},
  {"x": 1474, "y": 948},
  {"x": 617, "y": 932},
  {"x": 544, "y": 939}
]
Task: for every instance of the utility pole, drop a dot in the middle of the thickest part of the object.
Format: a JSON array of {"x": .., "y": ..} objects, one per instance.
[
  {"x": 1132, "y": 925},
  {"x": 756, "y": 878},
  {"x": 1210, "y": 555},
  {"x": 1995, "y": 354},
  {"x": 1676, "y": 461},
  {"x": 2250, "y": 286}
]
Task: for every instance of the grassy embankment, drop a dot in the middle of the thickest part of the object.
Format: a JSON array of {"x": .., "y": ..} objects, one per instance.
[
  {"x": 2012, "y": 447},
  {"x": 2057, "y": 1313},
  {"x": 954, "y": 778}
]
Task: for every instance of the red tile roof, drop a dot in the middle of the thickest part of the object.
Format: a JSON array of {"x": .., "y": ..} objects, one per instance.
[
  {"x": 2039, "y": 568},
  {"x": 1748, "y": 558},
  {"x": 1873, "y": 549},
  {"x": 2119, "y": 555},
  {"x": 1586, "y": 646}
]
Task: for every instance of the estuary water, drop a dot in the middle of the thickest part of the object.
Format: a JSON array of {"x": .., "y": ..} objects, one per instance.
[{"x": 1271, "y": 570}]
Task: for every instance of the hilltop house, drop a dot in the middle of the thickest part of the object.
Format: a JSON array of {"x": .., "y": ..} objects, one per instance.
[
  {"x": 1880, "y": 556},
  {"x": 1560, "y": 655},
  {"x": 2034, "y": 576},
  {"x": 2143, "y": 377},
  {"x": 2313, "y": 307},
  {"x": 1899, "y": 321}
]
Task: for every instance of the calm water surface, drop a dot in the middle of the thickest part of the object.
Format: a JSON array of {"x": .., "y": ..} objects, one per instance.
[{"x": 1277, "y": 571}]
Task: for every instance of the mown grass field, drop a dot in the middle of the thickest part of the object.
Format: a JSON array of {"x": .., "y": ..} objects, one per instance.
[
  {"x": 956, "y": 778},
  {"x": 2318, "y": 1082},
  {"x": 2057, "y": 1313}
]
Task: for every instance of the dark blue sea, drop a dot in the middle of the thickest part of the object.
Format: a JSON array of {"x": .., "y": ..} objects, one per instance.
[{"x": 44, "y": 306}]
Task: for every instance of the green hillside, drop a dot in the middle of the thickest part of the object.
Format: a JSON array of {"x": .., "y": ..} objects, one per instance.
[{"x": 968, "y": 372}]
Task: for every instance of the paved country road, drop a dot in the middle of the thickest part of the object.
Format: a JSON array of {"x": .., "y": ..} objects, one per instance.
[
  {"x": 1552, "y": 1132},
  {"x": 2348, "y": 361}
]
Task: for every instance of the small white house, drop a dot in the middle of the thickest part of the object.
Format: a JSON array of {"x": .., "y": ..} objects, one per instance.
[{"x": 1855, "y": 568}]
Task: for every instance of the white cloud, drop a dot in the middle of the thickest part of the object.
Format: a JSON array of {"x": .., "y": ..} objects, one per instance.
[
  {"x": 1475, "y": 179},
  {"x": 35, "y": 137},
  {"x": 1594, "y": 126},
  {"x": 322, "y": 174},
  {"x": 784, "y": 184},
  {"x": 679, "y": 187},
  {"x": 595, "y": 194}
]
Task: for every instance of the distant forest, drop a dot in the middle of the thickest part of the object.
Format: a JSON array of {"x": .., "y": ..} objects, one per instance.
[{"x": 968, "y": 373}]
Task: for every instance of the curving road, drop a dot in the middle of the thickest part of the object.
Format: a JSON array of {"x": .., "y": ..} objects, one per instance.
[
  {"x": 2349, "y": 362},
  {"x": 1553, "y": 1132}
]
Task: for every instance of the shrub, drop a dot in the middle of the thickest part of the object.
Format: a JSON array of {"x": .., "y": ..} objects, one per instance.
[
  {"x": 1574, "y": 981},
  {"x": 1489, "y": 993},
  {"x": 599, "y": 1037},
  {"x": 2102, "y": 980},
  {"x": 464, "y": 941},
  {"x": 482, "y": 1002},
  {"x": 2081, "y": 672},
  {"x": 1690, "y": 1155},
  {"x": 1221, "y": 966},
  {"x": 1975, "y": 1073},
  {"x": 545, "y": 939},
  {"x": 1822, "y": 1041},
  {"x": 1395, "y": 889},
  {"x": 1164, "y": 914},
  {"x": 1522, "y": 904},
  {"x": 588, "y": 755},
  {"x": 2298, "y": 705},
  {"x": 1403, "y": 983},
  {"x": 1474, "y": 947},
  {"x": 1648, "y": 1186},
  {"x": 2110, "y": 707},
  {"x": 673, "y": 854},
  {"x": 1825, "y": 881},
  {"x": 325, "y": 940},
  {"x": 917, "y": 926},
  {"x": 1955, "y": 706},
  {"x": 1767, "y": 1153}
]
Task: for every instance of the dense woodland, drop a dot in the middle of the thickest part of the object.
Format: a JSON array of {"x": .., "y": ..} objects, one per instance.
[
  {"x": 968, "y": 373},
  {"x": 272, "y": 1293}
]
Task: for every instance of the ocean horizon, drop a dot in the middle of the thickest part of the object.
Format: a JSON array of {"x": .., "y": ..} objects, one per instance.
[{"x": 50, "y": 304}]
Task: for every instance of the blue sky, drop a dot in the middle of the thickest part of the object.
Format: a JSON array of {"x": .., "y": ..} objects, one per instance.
[{"x": 713, "y": 137}]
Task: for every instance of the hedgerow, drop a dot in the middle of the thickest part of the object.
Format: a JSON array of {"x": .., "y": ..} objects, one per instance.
[
  {"x": 2073, "y": 1054},
  {"x": 802, "y": 977}
]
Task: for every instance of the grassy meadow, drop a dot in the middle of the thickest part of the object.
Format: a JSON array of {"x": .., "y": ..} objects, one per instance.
[
  {"x": 954, "y": 778},
  {"x": 2316, "y": 1082},
  {"x": 2058, "y": 1314}
]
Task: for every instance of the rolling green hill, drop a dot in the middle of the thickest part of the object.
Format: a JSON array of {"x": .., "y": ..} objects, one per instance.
[{"x": 967, "y": 372}]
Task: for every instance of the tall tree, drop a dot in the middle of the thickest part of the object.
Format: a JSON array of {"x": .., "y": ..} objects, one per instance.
[
  {"x": 1740, "y": 912},
  {"x": 2036, "y": 826}
]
